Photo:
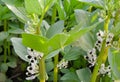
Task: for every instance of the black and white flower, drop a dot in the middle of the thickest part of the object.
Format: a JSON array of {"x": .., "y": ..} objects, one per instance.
[
  {"x": 109, "y": 39},
  {"x": 91, "y": 57},
  {"x": 104, "y": 70},
  {"x": 62, "y": 64},
  {"x": 33, "y": 68}
]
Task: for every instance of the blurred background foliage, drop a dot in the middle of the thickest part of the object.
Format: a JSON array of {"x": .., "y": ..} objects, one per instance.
[{"x": 70, "y": 14}]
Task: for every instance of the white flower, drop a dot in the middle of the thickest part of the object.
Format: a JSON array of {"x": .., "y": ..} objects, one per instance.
[
  {"x": 91, "y": 57},
  {"x": 34, "y": 53},
  {"x": 109, "y": 39},
  {"x": 104, "y": 70},
  {"x": 100, "y": 35},
  {"x": 32, "y": 77},
  {"x": 62, "y": 64},
  {"x": 33, "y": 69}
]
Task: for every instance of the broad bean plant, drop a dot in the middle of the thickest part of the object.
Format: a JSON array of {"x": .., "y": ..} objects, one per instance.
[{"x": 68, "y": 40}]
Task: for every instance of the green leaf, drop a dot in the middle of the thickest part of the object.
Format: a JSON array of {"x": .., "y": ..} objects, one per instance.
[
  {"x": 55, "y": 29},
  {"x": 12, "y": 64},
  {"x": 114, "y": 60},
  {"x": 57, "y": 41},
  {"x": 15, "y": 31},
  {"x": 33, "y": 6},
  {"x": 4, "y": 67},
  {"x": 52, "y": 54},
  {"x": 72, "y": 54},
  {"x": 70, "y": 76},
  {"x": 20, "y": 50},
  {"x": 3, "y": 36},
  {"x": 95, "y": 3},
  {"x": 49, "y": 66},
  {"x": 48, "y": 4},
  {"x": 77, "y": 35},
  {"x": 60, "y": 9},
  {"x": 82, "y": 16},
  {"x": 86, "y": 42},
  {"x": 5, "y": 13},
  {"x": 84, "y": 74},
  {"x": 21, "y": 15},
  {"x": 116, "y": 31},
  {"x": 36, "y": 42}
]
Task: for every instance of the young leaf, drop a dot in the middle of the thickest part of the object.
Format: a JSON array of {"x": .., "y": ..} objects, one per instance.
[
  {"x": 36, "y": 42},
  {"x": 20, "y": 50},
  {"x": 33, "y": 6},
  {"x": 55, "y": 29},
  {"x": 84, "y": 74}
]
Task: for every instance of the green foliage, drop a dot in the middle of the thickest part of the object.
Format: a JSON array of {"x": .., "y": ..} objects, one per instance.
[
  {"x": 19, "y": 48},
  {"x": 18, "y": 11},
  {"x": 66, "y": 28},
  {"x": 54, "y": 29},
  {"x": 114, "y": 60},
  {"x": 84, "y": 74},
  {"x": 33, "y": 7}
]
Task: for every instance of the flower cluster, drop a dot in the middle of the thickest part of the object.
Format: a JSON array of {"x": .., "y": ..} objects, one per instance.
[
  {"x": 91, "y": 57},
  {"x": 62, "y": 64},
  {"x": 104, "y": 70},
  {"x": 33, "y": 68},
  {"x": 101, "y": 36}
]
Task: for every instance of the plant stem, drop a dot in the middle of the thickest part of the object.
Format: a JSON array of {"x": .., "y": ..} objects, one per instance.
[
  {"x": 42, "y": 70},
  {"x": 102, "y": 55},
  {"x": 5, "y": 42},
  {"x": 56, "y": 57},
  {"x": 8, "y": 48},
  {"x": 40, "y": 23},
  {"x": 106, "y": 24},
  {"x": 55, "y": 68}
]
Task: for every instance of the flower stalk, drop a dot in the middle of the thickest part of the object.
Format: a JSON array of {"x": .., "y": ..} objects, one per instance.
[
  {"x": 42, "y": 70},
  {"x": 56, "y": 68},
  {"x": 102, "y": 55}
]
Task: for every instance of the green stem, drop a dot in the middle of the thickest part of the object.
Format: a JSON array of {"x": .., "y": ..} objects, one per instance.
[
  {"x": 56, "y": 57},
  {"x": 5, "y": 42},
  {"x": 40, "y": 23},
  {"x": 56, "y": 68},
  {"x": 42, "y": 70},
  {"x": 8, "y": 48},
  {"x": 106, "y": 24},
  {"x": 102, "y": 55}
]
